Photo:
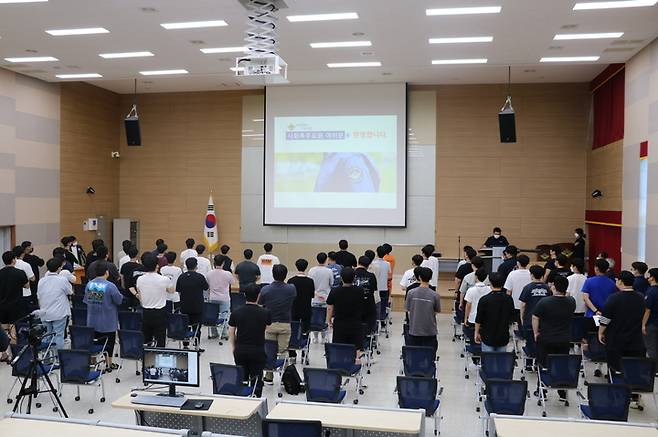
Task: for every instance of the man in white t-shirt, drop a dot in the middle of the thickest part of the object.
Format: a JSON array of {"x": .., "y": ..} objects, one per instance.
[
  {"x": 22, "y": 265},
  {"x": 187, "y": 253},
  {"x": 473, "y": 295},
  {"x": 431, "y": 262},
  {"x": 576, "y": 282},
  {"x": 516, "y": 281},
  {"x": 203, "y": 264},
  {"x": 152, "y": 289},
  {"x": 172, "y": 272},
  {"x": 323, "y": 279},
  {"x": 470, "y": 280},
  {"x": 122, "y": 256},
  {"x": 265, "y": 263},
  {"x": 408, "y": 277}
]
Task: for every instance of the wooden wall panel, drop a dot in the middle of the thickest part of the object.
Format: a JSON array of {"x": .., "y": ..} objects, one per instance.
[
  {"x": 533, "y": 189},
  {"x": 605, "y": 172},
  {"x": 89, "y": 133}
]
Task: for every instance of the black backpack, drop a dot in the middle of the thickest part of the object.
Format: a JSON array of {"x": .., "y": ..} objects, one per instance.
[{"x": 292, "y": 382}]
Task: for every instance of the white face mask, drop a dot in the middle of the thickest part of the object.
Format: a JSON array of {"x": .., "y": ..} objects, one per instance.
[
  {"x": 576, "y": 235},
  {"x": 496, "y": 235},
  {"x": 75, "y": 243}
]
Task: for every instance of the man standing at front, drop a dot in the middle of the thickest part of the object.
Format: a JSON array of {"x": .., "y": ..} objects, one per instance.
[
  {"x": 278, "y": 298},
  {"x": 422, "y": 304},
  {"x": 266, "y": 263},
  {"x": 382, "y": 269},
  {"x": 495, "y": 312},
  {"x": 53, "y": 294}
]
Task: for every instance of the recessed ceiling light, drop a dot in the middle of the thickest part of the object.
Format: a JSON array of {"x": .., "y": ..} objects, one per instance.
[
  {"x": 588, "y": 35},
  {"x": 459, "y": 61},
  {"x": 32, "y": 59},
  {"x": 224, "y": 50},
  {"x": 80, "y": 31},
  {"x": 327, "y": 45},
  {"x": 465, "y": 39},
  {"x": 354, "y": 64},
  {"x": 148, "y": 10},
  {"x": 31, "y": 51},
  {"x": 387, "y": 73},
  {"x": 358, "y": 34},
  {"x": 614, "y": 4},
  {"x": 162, "y": 72},
  {"x": 194, "y": 24},
  {"x": 125, "y": 55},
  {"x": 22, "y": 1},
  {"x": 465, "y": 11},
  {"x": 570, "y": 59},
  {"x": 323, "y": 17},
  {"x": 78, "y": 76}
]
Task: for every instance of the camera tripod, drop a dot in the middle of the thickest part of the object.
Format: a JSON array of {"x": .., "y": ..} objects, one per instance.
[{"x": 36, "y": 370}]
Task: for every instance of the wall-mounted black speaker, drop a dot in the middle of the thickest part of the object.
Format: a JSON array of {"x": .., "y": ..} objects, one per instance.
[
  {"x": 507, "y": 126},
  {"x": 133, "y": 135}
]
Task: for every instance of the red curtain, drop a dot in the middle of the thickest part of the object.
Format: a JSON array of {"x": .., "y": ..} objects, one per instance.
[
  {"x": 604, "y": 238},
  {"x": 609, "y": 111}
]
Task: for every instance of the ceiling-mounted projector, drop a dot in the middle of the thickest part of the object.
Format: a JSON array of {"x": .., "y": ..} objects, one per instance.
[{"x": 265, "y": 68}]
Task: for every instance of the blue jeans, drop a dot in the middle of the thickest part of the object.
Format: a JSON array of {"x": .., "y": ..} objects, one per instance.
[
  {"x": 58, "y": 327},
  {"x": 486, "y": 348},
  {"x": 224, "y": 313}
]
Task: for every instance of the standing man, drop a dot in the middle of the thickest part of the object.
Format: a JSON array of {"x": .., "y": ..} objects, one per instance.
[
  {"x": 152, "y": 289},
  {"x": 422, "y": 305},
  {"x": 650, "y": 319},
  {"x": 551, "y": 324},
  {"x": 383, "y": 270},
  {"x": 343, "y": 257},
  {"x": 246, "y": 331},
  {"x": 12, "y": 283},
  {"x": 123, "y": 253},
  {"x": 203, "y": 263},
  {"x": 621, "y": 323},
  {"x": 102, "y": 254},
  {"x": 305, "y": 288},
  {"x": 189, "y": 252},
  {"x": 247, "y": 271},
  {"x": 516, "y": 281},
  {"x": 345, "y": 311},
  {"x": 28, "y": 299},
  {"x": 639, "y": 269},
  {"x": 408, "y": 277},
  {"x": 561, "y": 268},
  {"x": 596, "y": 291},
  {"x": 172, "y": 272},
  {"x": 323, "y": 280},
  {"x": 576, "y": 281},
  {"x": 473, "y": 295},
  {"x": 509, "y": 263},
  {"x": 190, "y": 286},
  {"x": 495, "y": 312},
  {"x": 219, "y": 291},
  {"x": 130, "y": 271},
  {"x": 390, "y": 259},
  {"x": 532, "y": 294},
  {"x": 34, "y": 261},
  {"x": 278, "y": 298},
  {"x": 265, "y": 263},
  {"x": 431, "y": 262},
  {"x": 497, "y": 239},
  {"x": 335, "y": 268},
  {"x": 368, "y": 282},
  {"x": 228, "y": 262},
  {"x": 53, "y": 294},
  {"x": 76, "y": 250}
]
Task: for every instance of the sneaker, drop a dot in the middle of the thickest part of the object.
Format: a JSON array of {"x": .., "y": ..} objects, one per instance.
[{"x": 267, "y": 381}]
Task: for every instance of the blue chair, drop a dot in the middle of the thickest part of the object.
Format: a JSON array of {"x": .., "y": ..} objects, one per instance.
[
  {"x": 229, "y": 380},
  {"x": 82, "y": 338},
  {"x": 594, "y": 353},
  {"x": 405, "y": 333},
  {"x": 457, "y": 323},
  {"x": 639, "y": 375},
  {"x": 178, "y": 328},
  {"x": 471, "y": 351},
  {"x": 76, "y": 369},
  {"x": 578, "y": 330},
  {"x": 237, "y": 300},
  {"x": 20, "y": 368},
  {"x": 419, "y": 361},
  {"x": 297, "y": 428},
  {"x": 342, "y": 357},
  {"x": 562, "y": 373},
  {"x": 169, "y": 307},
  {"x": 369, "y": 343},
  {"x": 131, "y": 348},
  {"x": 210, "y": 317},
  {"x": 529, "y": 350},
  {"x": 504, "y": 397},
  {"x": 130, "y": 320},
  {"x": 420, "y": 393},
  {"x": 318, "y": 321},
  {"x": 494, "y": 365},
  {"x": 607, "y": 402},
  {"x": 79, "y": 316},
  {"x": 323, "y": 385},
  {"x": 273, "y": 363},
  {"x": 299, "y": 341}
]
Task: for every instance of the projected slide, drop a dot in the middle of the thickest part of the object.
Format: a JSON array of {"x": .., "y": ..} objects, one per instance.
[{"x": 335, "y": 155}]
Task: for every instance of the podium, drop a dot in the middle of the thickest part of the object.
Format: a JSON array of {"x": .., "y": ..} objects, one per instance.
[{"x": 493, "y": 257}]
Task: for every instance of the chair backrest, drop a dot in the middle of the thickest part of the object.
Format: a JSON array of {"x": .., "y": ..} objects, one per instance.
[
  {"x": 506, "y": 397},
  {"x": 237, "y": 300},
  {"x": 419, "y": 361},
  {"x": 497, "y": 365},
  {"x": 322, "y": 385},
  {"x": 82, "y": 337},
  {"x": 340, "y": 357},
  {"x": 132, "y": 344},
  {"x": 318, "y": 318},
  {"x": 298, "y": 340},
  {"x": 609, "y": 401},
  {"x": 530, "y": 344},
  {"x": 210, "y": 313},
  {"x": 416, "y": 393},
  {"x": 226, "y": 379},
  {"x": 271, "y": 351},
  {"x": 639, "y": 373},
  {"x": 564, "y": 370},
  {"x": 297, "y": 428},
  {"x": 74, "y": 365},
  {"x": 178, "y": 325},
  {"x": 130, "y": 320},
  {"x": 578, "y": 329},
  {"x": 22, "y": 366},
  {"x": 79, "y": 316},
  {"x": 595, "y": 350}
]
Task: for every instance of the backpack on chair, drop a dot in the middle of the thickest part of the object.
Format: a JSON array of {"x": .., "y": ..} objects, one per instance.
[{"x": 292, "y": 382}]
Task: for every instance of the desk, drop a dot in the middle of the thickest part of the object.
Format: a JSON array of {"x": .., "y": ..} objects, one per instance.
[
  {"x": 516, "y": 426},
  {"x": 24, "y": 425},
  {"x": 348, "y": 420},
  {"x": 227, "y": 414}
]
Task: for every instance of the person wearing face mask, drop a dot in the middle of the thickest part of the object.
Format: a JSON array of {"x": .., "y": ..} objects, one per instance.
[
  {"x": 496, "y": 240},
  {"x": 579, "y": 244},
  {"x": 77, "y": 251}
]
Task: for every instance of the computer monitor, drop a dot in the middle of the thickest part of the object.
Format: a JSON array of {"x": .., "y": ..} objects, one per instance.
[{"x": 172, "y": 367}]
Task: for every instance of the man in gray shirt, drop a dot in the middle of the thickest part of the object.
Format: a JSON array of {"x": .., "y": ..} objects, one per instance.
[
  {"x": 53, "y": 292},
  {"x": 422, "y": 304}
]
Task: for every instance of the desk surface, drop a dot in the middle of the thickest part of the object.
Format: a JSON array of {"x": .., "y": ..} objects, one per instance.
[
  {"x": 506, "y": 427},
  {"x": 222, "y": 407},
  {"x": 26, "y": 427},
  {"x": 346, "y": 417}
]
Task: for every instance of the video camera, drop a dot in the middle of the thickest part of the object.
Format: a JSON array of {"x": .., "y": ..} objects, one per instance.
[{"x": 35, "y": 329}]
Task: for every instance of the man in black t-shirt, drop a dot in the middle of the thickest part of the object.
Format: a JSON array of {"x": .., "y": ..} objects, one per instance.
[
  {"x": 343, "y": 257},
  {"x": 465, "y": 268},
  {"x": 12, "y": 281},
  {"x": 247, "y": 271},
  {"x": 345, "y": 311},
  {"x": 130, "y": 271},
  {"x": 368, "y": 282},
  {"x": 301, "y": 306},
  {"x": 551, "y": 321},
  {"x": 190, "y": 286},
  {"x": 621, "y": 322},
  {"x": 509, "y": 263},
  {"x": 248, "y": 342},
  {"x": 497, "y": 239},
  {"x": 495, "y": 313},
  {"x": 532, "y": 294},
  {"x": 562, "y": 268},
  {"x": 35, "y": 262}
]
